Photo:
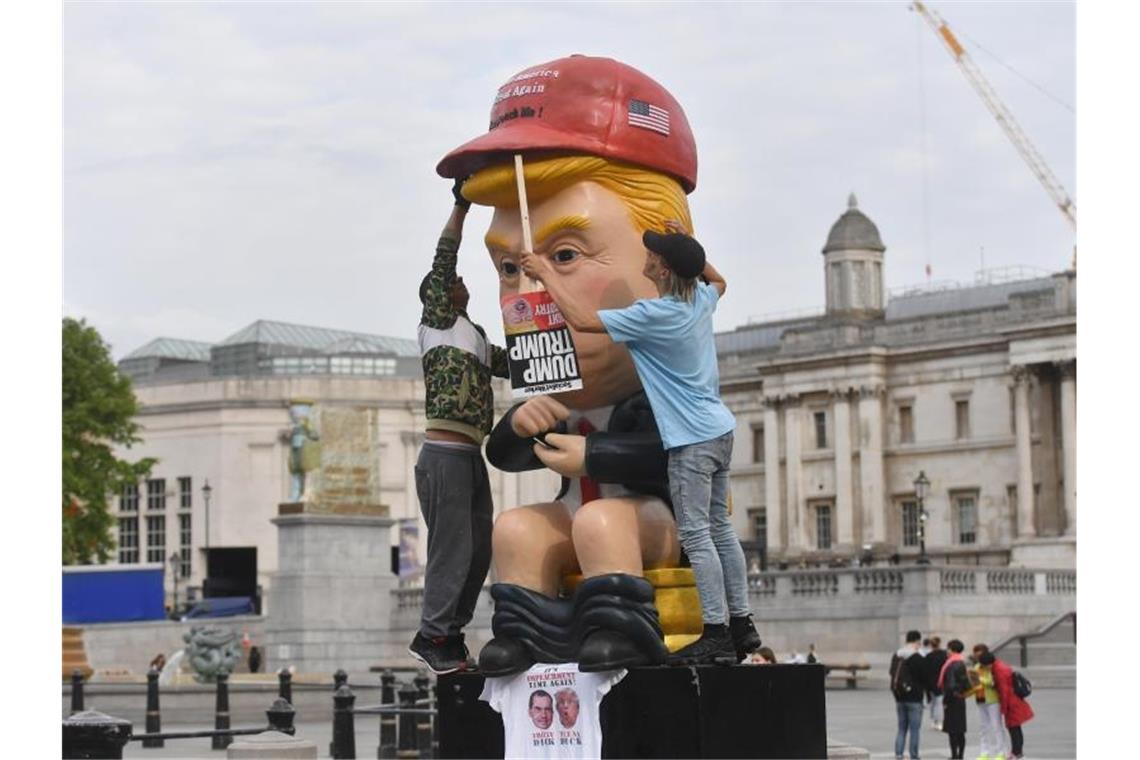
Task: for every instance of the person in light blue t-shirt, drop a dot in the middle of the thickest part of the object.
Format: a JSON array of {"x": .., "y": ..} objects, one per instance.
[{"x": 670, "y": 339}]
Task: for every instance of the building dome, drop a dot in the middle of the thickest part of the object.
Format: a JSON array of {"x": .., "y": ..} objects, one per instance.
[{"x": 853, "y": 231}]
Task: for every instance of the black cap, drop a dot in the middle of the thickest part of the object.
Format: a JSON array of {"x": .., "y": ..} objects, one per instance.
[{"x": 683, "y": 254}]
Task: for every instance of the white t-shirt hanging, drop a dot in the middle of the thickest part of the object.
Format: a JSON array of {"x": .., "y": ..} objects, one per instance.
[{"x": 551, "y": 711}]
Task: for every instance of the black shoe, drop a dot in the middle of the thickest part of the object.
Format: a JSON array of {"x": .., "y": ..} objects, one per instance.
[
  {"x": 609, "y": 650},
  {"x": 714, "y": 646},
  {"x": 502, "y": 656},
  {"x": 440, "y": 654},
  {"x": 460, "y": 650},
  {"x": 744, "y": 636}
]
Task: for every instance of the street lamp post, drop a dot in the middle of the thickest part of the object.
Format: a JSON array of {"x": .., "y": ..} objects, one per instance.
[
  {"x": 921, "y": 486},
  {"x": 207, "y": 491}
]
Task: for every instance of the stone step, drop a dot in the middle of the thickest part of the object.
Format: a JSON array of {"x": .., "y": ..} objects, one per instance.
[
  {"x": 1049, "y": 654},
  {"x": 1051, "y": 677}
]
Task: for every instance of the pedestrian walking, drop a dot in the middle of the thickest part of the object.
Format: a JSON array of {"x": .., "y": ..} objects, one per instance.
[
  {"x": 935, "y": 658},
  {"x": 908, "y": 684},
  {"x": 953, "y": 684},
  {"x": 1015, "y": 711}
]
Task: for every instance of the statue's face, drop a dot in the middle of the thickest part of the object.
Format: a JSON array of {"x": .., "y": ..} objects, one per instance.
[{"x": 587, "y": 232}]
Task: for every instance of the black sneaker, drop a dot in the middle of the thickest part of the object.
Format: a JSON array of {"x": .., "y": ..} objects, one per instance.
[
  {"x": 714, "y": 646},
  {"x": 460, "y": 650},
  {"x": 440, "y": 653},
  {"x": 744, "y": 636}
]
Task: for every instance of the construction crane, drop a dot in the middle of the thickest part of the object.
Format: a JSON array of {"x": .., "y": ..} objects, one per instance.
[{"x": 1012, "y": 129}]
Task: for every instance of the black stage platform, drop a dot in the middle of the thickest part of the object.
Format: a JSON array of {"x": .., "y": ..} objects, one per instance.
[{"x": 757, "y": 711}]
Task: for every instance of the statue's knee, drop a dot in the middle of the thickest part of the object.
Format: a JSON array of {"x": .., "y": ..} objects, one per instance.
[
  {"x": 590, "y": 526},
  {"x": 510, "y": 530}
]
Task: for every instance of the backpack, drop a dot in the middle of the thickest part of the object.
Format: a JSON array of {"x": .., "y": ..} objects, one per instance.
[
  {"x": 1021, "y": 685},
  {"x": 903, "y": 684}
]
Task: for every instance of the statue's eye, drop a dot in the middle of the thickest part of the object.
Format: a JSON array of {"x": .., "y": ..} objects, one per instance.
[
  {"x": 565, "y": 255},
  {"x": 510, "y": 268}
]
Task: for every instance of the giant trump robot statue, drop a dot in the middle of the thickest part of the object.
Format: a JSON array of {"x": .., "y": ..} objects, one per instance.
[{"x": 608, "y": 154}]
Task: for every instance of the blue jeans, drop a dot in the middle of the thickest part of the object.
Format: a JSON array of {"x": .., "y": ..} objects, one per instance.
[
  {"x": 698, "y": 483},
  {"x": 910, "y": 719}
]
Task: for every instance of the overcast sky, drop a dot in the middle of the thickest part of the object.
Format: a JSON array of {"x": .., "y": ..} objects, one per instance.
[{"x": 231, "y": 162}]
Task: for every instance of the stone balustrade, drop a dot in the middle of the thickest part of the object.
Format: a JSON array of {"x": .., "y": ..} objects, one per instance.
[{"x": 860, "y": 611}]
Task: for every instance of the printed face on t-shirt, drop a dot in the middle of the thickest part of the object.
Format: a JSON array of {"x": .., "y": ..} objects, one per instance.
[
  {"x": 541, "y": 709},
  {"x": 567, "y": 704}
]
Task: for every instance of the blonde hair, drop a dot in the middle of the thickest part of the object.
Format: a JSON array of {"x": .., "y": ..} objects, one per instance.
[
  {"x": 650, "y": 197},
  {"x": 681, "y": 287}
]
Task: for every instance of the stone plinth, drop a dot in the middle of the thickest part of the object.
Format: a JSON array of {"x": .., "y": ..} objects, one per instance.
[
  {"x": 271, "y": 745},
  {"x": 331, "y": 598}
]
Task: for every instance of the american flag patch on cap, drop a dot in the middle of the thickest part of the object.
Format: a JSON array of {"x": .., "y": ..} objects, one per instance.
[{"x": 648, "y": 116}]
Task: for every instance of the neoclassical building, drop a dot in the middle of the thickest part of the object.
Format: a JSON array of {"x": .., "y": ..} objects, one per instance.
[{"x": 972, "y": 387}]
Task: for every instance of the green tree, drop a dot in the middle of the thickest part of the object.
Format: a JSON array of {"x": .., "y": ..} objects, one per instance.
[{"x": 98, "y": 413}]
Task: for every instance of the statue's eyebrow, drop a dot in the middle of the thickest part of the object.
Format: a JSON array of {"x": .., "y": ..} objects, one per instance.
[
  {"x": 569, "y": 222},
  {"x": 494, "y": 241}
]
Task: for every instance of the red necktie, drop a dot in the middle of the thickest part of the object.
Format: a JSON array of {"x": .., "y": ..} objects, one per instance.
[{"x": 588, "y": 486}]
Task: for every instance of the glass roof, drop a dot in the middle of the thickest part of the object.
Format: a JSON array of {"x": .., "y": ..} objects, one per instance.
[
  {"x": 320, "y": 339},
  {"x": 173, "y": 348}
]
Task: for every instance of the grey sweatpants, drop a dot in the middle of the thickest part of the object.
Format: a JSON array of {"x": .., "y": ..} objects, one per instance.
[{"x": 455, "y": 500}]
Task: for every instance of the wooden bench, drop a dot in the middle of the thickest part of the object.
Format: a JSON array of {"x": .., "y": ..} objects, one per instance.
[{"x": 851, "y": 669}]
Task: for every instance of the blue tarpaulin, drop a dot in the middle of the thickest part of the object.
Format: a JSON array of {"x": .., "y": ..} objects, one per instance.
[{"x": 112, "y": 594}]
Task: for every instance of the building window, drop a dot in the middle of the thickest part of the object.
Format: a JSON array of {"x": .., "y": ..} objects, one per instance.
[
  {"x": 962, "y": 418},
  {"x": 758, "y": 444},
  {"x": 1012, "y": 411},
  {"x": 906, "y": 424},
  {"x": 185, "y": 542},
  {"x": 910, "y": 522},
  {"x": 760, "y": 527},
  {"x": 129, "y": 498},
  {"x": 156, "y": 538},
  {"x": 823, "y": 526},
  {"x": 966, "y": 508},
  {"x": 129, "y": 539},
  {"x": 185, "y": 493},
  {"x": 820, "y": 419},
  {"x": 156, "y": 495}
]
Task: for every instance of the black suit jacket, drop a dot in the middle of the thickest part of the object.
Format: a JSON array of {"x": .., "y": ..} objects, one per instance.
[{"x": 628, "y": 451}]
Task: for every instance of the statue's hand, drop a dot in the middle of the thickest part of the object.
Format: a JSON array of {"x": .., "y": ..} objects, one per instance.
[
  {"x": 538, "y": 415},
  {"x": 565, "y": 454}
]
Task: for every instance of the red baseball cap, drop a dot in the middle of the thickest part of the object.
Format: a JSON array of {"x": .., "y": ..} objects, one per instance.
[{"x": 583, "y": 104}]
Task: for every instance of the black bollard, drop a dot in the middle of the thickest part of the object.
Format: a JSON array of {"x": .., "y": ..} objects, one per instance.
[
  {"x": 423, "y": 720},
  {"x": 387, "y": 748},
  {"x": 281, "y": 715},
  {"x": 285, "y": 685},
  {"x": 406, "y": 742},
  {"x": 76, "y": 691},
  {"x": 222, "y": 714},
  {"x": 344, "y": 729},
  {"x": 153, "y": 717},
  {"x": 91, "y": 734},
  {"x": 340, "y": 678},
  {"x": 435, "y": 719}
]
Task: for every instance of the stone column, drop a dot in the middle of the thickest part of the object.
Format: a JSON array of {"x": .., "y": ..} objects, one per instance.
[
  {"x": 1069, "y": 441},
  {"x": 772, "y": 503},
  {"x": 1026, "y": 523},
  {"x": 871, "y": 463},
  {"x": 794, "y": 474},
  {"x": 844, "y": 506}
]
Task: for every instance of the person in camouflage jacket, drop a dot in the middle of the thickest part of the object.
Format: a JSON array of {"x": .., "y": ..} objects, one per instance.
[{"x": 451, "y": 476}]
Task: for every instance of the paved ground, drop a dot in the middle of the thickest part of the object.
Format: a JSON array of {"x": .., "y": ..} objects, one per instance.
[
  {"x": 866, "y": 718},
  {"x": 862, "y": 718}
]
